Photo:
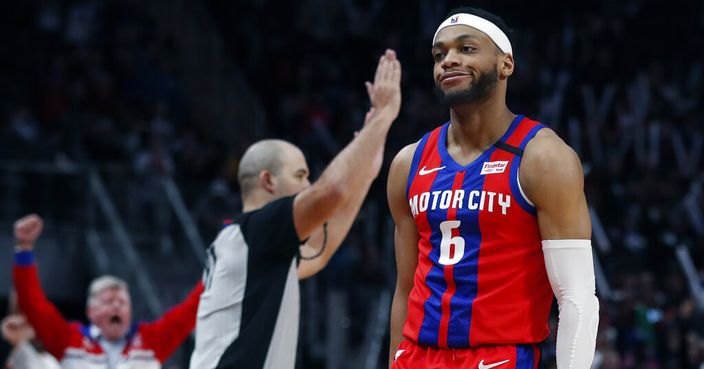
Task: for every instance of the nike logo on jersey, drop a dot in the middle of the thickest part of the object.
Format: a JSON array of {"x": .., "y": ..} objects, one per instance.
[
  {"x": 494, "y": 365},
  {"x": 493, "y": 167},
  {"x": 398, "y": 353},
  {"x": 458, "y": 199},
  {"x": 424, "y": 171}
]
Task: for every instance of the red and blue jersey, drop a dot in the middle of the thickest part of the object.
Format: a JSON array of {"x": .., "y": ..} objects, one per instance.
[{"x": 480, "y": 277}]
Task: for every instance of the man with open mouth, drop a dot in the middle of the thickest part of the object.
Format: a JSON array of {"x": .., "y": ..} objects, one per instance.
[{"x": 111, "y": 340}]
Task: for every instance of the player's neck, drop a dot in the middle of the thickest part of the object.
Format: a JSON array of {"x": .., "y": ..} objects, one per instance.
[{"x": 480, "y": 125}]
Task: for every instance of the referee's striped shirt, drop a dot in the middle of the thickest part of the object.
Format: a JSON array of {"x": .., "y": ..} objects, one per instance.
[{"x": 248, "y": 314}]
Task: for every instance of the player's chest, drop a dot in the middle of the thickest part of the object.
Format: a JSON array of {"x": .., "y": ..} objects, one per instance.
[{"x": 462, "y": 195}]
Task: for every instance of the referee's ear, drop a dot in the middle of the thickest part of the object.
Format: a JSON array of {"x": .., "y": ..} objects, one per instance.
[{"x": 266, "y": 180}]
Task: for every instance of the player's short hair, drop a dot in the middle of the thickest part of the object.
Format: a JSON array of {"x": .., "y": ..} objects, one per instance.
[
  {"x": 262, "y": 155},
  {"x": 491, "y": 17},
  {"x": 104, "y": 283}
]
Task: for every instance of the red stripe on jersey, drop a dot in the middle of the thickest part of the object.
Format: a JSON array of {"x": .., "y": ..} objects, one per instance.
[
  {"x": 449, "y": 270},
  {"x": 524, "y": 126},
  {"x": 420, "y": 291},
  {"x": 536, "y": 357}
]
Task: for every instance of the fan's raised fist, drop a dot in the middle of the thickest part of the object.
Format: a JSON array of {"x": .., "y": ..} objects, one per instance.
[{"x": 27, "y": 230}]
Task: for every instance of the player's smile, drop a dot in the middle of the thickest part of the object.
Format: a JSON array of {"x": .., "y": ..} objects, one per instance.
[{"x": 453, "y": 77}]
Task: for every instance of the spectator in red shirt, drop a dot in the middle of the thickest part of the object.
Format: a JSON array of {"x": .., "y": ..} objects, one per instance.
[{"x": 111, "y": 340}]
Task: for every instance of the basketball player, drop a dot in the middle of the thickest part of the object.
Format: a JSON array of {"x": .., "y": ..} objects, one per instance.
[
  {"x": 248, "y": 313},
  {"x": 491, "y": 220}
]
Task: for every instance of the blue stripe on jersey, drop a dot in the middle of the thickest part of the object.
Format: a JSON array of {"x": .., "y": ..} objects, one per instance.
[
  {"x": 435, "y": 279},
  {"x": 525, "y": 357},
  {"x": 466, "y": 270},
  {"x": 515, "y": 164},
  {"x": 417, "y": 155}
]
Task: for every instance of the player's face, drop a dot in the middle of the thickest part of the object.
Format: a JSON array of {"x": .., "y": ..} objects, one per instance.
[
  {"x": 466, "y": 64},
  {"x": 293, "y": 175},
  {"x": 111, "y": 311}
]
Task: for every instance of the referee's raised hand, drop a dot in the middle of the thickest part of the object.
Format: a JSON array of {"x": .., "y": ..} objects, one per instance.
[
  {"x": 385, "y": 92},
  {"x": 27, "y": 230},
  {"x": 350, "y": 174}
]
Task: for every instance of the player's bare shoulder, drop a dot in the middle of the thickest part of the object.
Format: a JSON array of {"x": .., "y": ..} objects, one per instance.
[
  {"x": 402, "y": 160},
  {"x": 549, "y": 167},
  {"x": 398, "y": 178}
]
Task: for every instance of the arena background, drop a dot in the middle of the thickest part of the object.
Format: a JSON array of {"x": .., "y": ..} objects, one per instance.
[{"x": 123, "y": 121}]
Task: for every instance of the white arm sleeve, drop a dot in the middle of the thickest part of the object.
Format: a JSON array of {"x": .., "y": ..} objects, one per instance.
[{"x": 570, "y": 269}]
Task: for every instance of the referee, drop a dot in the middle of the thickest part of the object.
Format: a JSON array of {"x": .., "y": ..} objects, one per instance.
[{"x": 249, "y": 312}]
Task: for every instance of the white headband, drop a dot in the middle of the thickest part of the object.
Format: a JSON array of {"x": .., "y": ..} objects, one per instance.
[{"x": 481, "y": 24}]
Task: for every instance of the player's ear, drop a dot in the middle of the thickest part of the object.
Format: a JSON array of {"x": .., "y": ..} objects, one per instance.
[
  {"x": 266, "y": 180},
  {"x": 506, "y": 66}
]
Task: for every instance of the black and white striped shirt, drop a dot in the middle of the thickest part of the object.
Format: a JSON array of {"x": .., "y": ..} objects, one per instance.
[{"x": 249, "y": 312}]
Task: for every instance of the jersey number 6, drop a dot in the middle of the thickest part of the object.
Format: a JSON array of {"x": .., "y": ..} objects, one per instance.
[{"x": 446, "y": 228}]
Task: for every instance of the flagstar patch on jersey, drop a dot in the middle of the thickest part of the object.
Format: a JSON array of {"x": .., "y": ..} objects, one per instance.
[{"x": 492, "y": 167}]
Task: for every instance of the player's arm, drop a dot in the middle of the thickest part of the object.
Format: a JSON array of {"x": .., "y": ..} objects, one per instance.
[
  {"x": 405, "y": 241},
  {"x": 51, "y": 327},
  {"x": 552, "y": 177},
  {"x": 351, "y": 171}
]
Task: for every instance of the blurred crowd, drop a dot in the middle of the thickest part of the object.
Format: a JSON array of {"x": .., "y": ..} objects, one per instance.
[
  {"x": 621, "y": 82},
  {"x": 96, "y": 82}
]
